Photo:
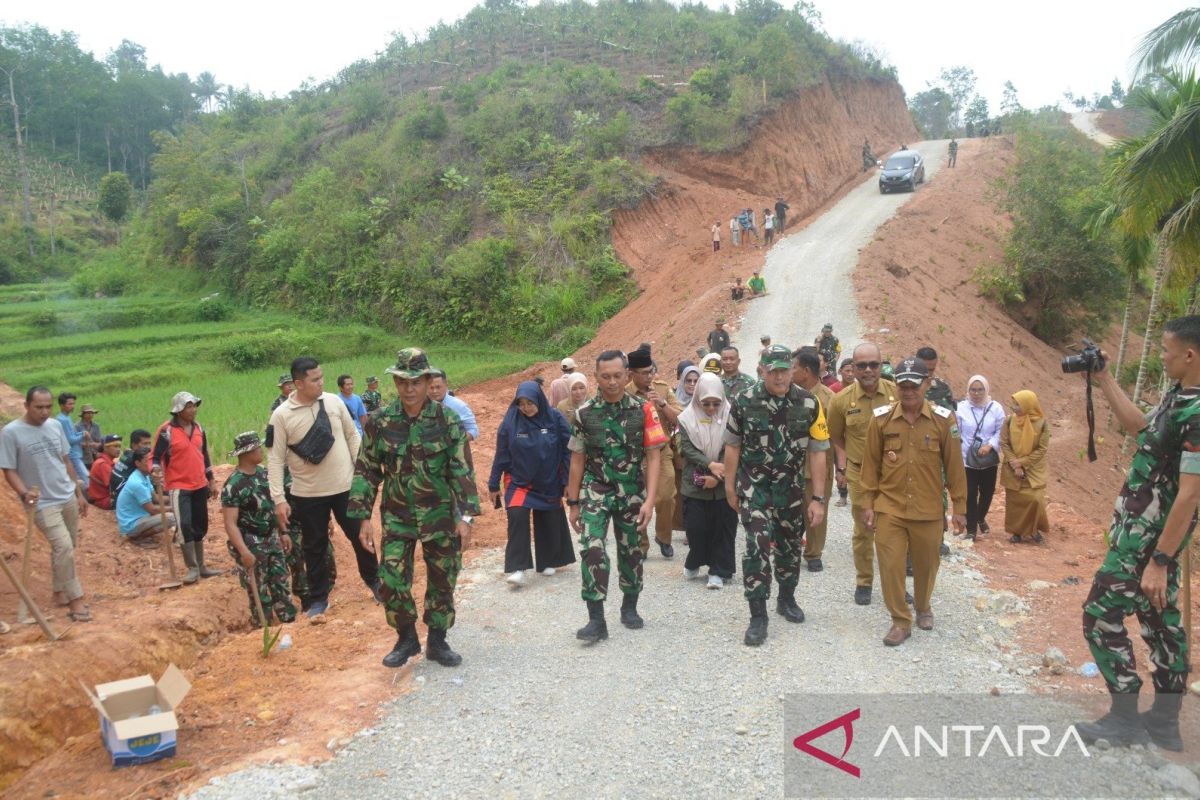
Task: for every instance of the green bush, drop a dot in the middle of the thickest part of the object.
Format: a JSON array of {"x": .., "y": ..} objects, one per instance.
[
  {"x": 212, "y": 309},
  {"x": 1000, "y": 284},
  {"x": 46, "y": 320},
  {"x": 252, "y": 351},
  {"x": 102, "y": 279}
]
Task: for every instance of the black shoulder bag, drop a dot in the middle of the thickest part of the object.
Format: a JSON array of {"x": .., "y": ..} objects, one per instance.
[
  {"x": 974, "y": 460},
  {"x": 317, "y": 443}
]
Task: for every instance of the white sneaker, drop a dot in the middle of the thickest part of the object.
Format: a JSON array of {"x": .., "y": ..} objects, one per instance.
[
  {"x": 548, "y": 571},
  {"x": 691, "y": 574},
  {"x": 715, "y": 582},
  {"x": 517, "y": 578}
]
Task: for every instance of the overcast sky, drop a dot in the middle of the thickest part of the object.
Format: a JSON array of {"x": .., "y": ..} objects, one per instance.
[{"x": 1043, "y": 46}]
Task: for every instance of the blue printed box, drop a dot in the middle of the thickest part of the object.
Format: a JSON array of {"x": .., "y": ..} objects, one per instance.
[{"x": 137, "y": 716}]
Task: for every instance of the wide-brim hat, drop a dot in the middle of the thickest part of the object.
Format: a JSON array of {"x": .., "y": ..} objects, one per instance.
[
  {"x": 181, "y": 399},
  {"x": 88, "y": 408},
  {"x": 776, "y": 356},
  {"x": 372, "y": 379},
  {"x": 411, "y": 362},
  {"x": 284, "y": 380},
  {"x": 245, "y": 442}
]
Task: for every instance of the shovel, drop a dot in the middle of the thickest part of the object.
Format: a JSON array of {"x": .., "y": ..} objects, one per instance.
[
  {"x": 174, "y": 582},
  {"x": 29, "y": 604},
  {"x": 269, "y": 639},
  {"x": 30, "y": 511}
]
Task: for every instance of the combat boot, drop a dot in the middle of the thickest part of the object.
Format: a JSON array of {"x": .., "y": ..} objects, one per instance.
[
  {"x": 597, "y": 628},
  {"x": 438, "y": 650},
  {"x": 756, "y": 634},
  {"x": 204, "y": 571},
  {"x": 407, "y": 646},
  {"x": 785, "y": 604},
  {"x": 1162, "y": 721},
  {"x": 189, "y": 558},
  {"x": 1120, "y": 727},
  {"x": 629, "y": 614}
]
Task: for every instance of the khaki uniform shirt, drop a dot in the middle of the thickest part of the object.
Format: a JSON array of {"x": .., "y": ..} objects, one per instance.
[
  {"x": 903, "y": 463},
  {"x": 824, "y": 396},
  {"x": 848, "y": 414}
]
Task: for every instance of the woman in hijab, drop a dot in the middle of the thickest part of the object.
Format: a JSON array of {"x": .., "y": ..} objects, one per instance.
[
  {"x": 687, "y": 385},
  {"x": 710, "y": 523},
  {"x": 1024, "y": 438},
  {"x": 979, "y": 421},
  {"x": 532, "y": 462},
  {"x": 577, "y": 392}
]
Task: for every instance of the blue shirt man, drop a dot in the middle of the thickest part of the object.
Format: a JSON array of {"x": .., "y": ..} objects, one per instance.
[
  {"x": 439, "y": 390},
  {"x": 131, "y": 502},
  {"x": 358, "y": 409},
  {"x": 66, "y": 405}
]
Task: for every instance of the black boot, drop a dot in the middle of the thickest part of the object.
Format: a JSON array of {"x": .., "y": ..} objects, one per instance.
[
  {"x": 785, "y": 604},
  {"x": 407, "y": 646},
  {"x": 629, "y": 614},
  {"x": 437, "y": 649},
  {"x": 756, "y": 634},
  {"x": 1162, "y": 721},
  {"x": 1120, "y": 727},
  {"x": 597, "y": 628}
]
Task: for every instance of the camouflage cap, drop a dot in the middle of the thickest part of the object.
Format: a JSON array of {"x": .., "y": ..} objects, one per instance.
[
  {"x": 411, "y": 362},
  {"x": 372, "y": 379},
  {"x": 777, "y": 356},
  {"x": 245, "y": 442},
  {"x": 284, "y": 380},
  {"x": 828, "y": 326}
]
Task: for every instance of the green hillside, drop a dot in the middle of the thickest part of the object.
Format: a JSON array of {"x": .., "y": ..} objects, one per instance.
[{"x": 462, "y": 185}]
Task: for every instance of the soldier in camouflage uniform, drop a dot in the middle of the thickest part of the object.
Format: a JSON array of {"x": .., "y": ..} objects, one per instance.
[
  {"x": 295, "y": 556},
  {"x": 254, "y": 540},
  {"x": 732, "y": 378},
  {"x": 1152, "y": 524},
  {"x": 286, "y": 385},
  {"x": 611, "y": 436},
  {"x": 416, "y": 448},
  {"x": 774, "y": 428},
  {"x": 828, "y": 346},
  {"x": 371, "y": 398}
]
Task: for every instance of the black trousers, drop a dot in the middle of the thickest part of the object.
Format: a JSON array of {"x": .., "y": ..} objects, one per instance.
[
  {"x": 981, "y": 486},
  {"x": 552, "y": 545},
  {"x": 313, "y": 514},
  {"x": 711, "y": 527},
  {"x": 191, "y": 509}
]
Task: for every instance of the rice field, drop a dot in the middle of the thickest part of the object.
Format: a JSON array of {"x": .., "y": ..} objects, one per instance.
[{"x": 129, "y": 355}]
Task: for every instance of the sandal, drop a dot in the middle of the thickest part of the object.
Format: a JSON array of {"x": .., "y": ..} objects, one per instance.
[
  {"x": 1014, "y": 539},
  {"x": 81, "y": 616},
  {"x": 1038, "y": 538}
]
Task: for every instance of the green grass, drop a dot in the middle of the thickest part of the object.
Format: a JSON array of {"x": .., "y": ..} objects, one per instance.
[{"x": 131, "y": 373}]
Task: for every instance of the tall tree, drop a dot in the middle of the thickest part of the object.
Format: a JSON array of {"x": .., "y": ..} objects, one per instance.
[
  {"x": 207, "y": 89},
  {"x": 959, "y": 83},
  {"x": 933, "y": 111},
  {"x": 1009, "y": 104}
]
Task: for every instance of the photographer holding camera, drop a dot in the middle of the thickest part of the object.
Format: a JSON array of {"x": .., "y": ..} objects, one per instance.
[{"x": 1151, "y": 527}]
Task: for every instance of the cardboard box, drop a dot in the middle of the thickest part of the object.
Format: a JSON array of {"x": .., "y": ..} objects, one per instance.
[{"x": 131, "y": 734}]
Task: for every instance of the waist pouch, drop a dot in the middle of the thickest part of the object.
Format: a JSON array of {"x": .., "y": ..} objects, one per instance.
[{"x": 317, "y": 443}]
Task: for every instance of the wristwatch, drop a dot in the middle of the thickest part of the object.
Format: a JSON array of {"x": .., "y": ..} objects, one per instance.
[
  {"x": 1161, "y": 558},
  {"x": 572, "y": 502},
  {"x": 818, "y": 498}
]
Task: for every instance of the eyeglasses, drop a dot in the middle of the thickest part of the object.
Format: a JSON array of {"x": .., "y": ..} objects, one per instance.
[
  {"x": 974, "y": 390},
  {"x": 867, "y": 364}
]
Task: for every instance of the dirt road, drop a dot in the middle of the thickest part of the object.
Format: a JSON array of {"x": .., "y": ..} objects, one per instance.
[
  {"x": 1086, "y": 121},
  {"x": 808, "y": 272}
]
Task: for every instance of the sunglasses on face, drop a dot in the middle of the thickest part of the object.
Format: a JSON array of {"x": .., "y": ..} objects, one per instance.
[{"x": 867, "y": 364}]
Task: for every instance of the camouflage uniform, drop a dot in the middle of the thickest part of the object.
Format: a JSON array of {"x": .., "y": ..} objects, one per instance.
[
  {"x": 295, "y": 558},
  {"x": 737, "y": 384},
  {"x": 939, "y": 394},
  {"x": 251, "y": 496},
  {"x": 1167, "y": 446},
  {"x": 427, "y": 486},
  {"x": 830, "y": 348},
  {"x": 372, "y": 400},
  {"x": 775, "y": 435},
  {"x": 614, "y": 438}
]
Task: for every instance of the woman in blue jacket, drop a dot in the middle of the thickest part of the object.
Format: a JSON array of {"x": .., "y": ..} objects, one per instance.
[{"x": 532, "y": 462}]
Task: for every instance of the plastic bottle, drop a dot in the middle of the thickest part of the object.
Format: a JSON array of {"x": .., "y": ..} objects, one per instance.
[
  {"x": 285, "y": 641},
  {"x": 1089, "y": 670}
]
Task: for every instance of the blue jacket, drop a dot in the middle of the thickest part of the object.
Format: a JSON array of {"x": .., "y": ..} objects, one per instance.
[{"x": 531, "y": 454}]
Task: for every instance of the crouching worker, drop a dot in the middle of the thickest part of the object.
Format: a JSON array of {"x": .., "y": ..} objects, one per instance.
[
  {"x": 254, "y": 540},
  {"x": 139, "y": 512}
]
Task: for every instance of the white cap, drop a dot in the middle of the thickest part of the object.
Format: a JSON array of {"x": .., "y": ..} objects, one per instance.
[{"x": 568, "y": 363}]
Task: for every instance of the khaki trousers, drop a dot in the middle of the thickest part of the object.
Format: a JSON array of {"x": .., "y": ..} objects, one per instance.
[
  {"x": 863, "y": 542},
  {"x": 60, "y": 525},
  {"x": 895, "y": 538},
  {"x": 664, "y": 503},
  {"x": 814, "y": 537}
]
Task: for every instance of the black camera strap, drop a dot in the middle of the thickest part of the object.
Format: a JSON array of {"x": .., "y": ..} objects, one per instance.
[{"x": 1091, "y": 417}]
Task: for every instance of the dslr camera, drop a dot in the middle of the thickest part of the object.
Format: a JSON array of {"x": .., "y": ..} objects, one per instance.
[{"x": 1087, "y": 360}]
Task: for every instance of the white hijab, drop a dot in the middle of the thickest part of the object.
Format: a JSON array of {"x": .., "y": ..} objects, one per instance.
[{"x": 706, "y": 432}]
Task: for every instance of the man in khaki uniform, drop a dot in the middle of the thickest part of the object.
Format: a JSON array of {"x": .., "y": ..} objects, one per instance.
[
  {"x": 849, "y": 414},
  {"x": 645, "y": 387},
  {"x": 909, "y": 447},
  {"x": 806, "y": 373}
]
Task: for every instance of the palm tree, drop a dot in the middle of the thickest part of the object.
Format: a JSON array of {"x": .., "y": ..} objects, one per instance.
[
  {"x": 1174, "y": 42},
  {"x": 206, "y": 89}
]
